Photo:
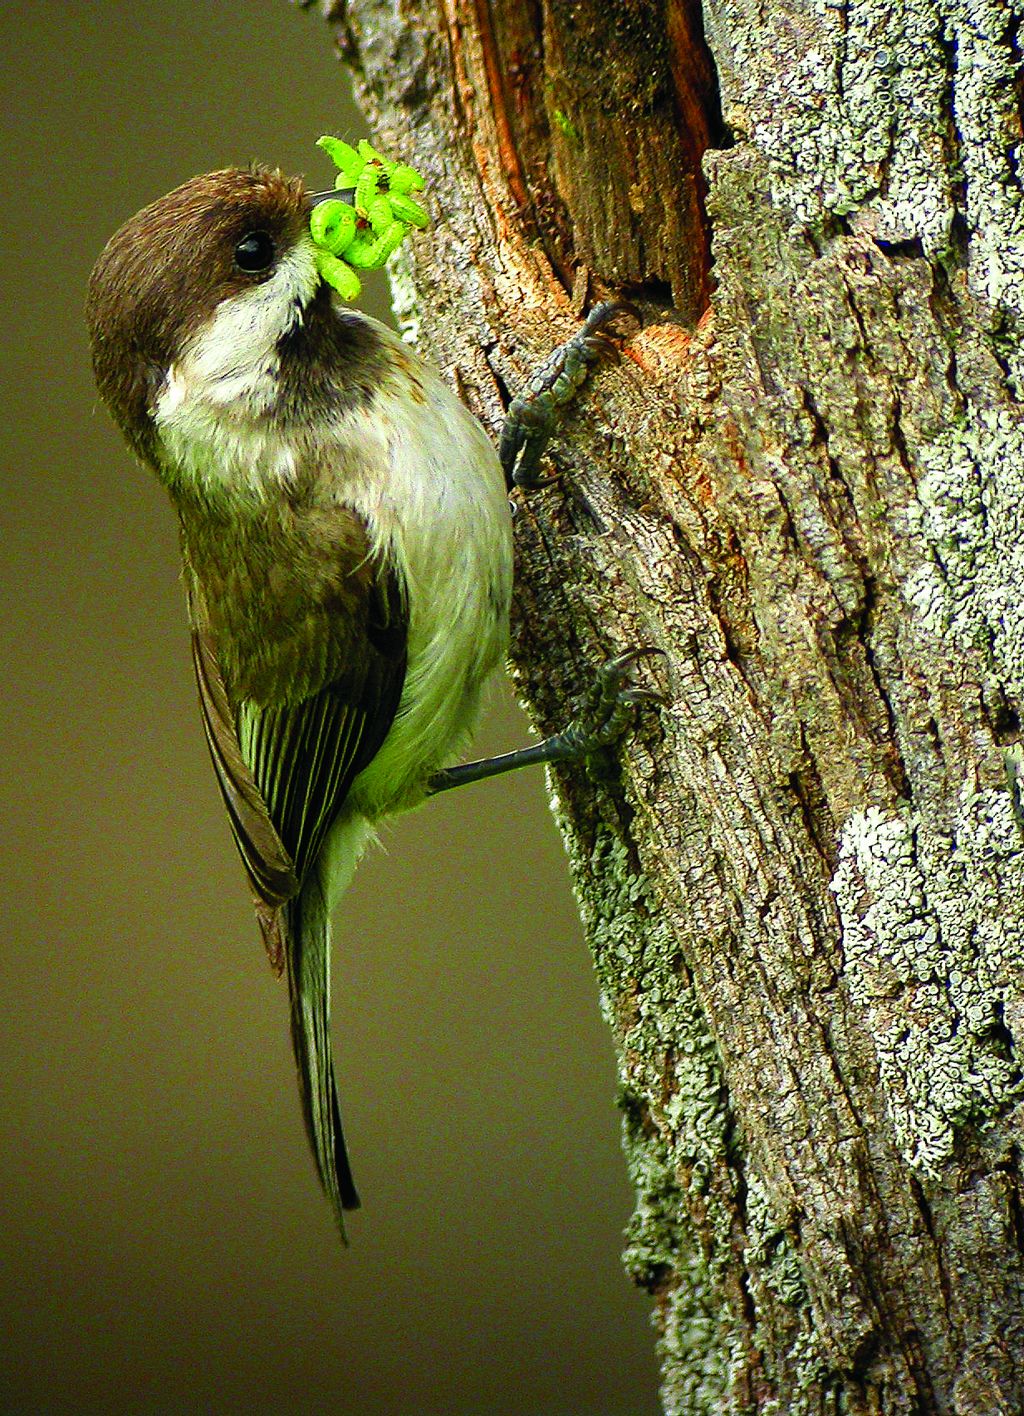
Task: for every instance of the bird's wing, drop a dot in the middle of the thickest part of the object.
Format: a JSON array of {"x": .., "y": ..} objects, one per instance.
[
  {"x": 285, "y": 769},
  {"x": 270, "y": 867}
]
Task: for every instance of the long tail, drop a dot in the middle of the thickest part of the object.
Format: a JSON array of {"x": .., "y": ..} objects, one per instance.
[{"x": 308, "y": 949}]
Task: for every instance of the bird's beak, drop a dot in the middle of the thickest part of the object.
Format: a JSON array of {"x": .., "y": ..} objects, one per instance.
[{"x": 336, "y": 193}]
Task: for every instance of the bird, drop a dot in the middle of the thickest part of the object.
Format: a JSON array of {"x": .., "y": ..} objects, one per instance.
[{"x": 346, "y": 546}]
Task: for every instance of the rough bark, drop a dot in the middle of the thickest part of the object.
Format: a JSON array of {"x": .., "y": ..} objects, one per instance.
[{"x": 803, "y": 882}]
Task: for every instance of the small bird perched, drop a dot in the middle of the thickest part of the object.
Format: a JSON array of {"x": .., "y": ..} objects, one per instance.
[{"x": 347, "y": 551}]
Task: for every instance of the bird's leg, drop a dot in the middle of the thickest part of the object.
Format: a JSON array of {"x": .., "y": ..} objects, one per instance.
[
  {"x": 533, "y": 414},
  {"x": 603, "y": 717}
]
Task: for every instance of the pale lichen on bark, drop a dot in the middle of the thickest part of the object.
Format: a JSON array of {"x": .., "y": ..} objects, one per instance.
[
  {"x": 888, "y": 111},
  {"x": 986, "y": 106},
  {"x": 816, "y": 89},
  {"x": 967, "y": 592},
  {"x": 899, "y": 125},
  {"x": 932, "y": 925}
]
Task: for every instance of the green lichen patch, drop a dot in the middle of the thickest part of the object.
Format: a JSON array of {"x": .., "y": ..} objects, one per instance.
[
  {"x": 676, "y": 1124},
  {"x": 775, "y": 1273}
]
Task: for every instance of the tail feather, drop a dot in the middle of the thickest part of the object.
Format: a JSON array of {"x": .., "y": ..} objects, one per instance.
[{"x": 308, "y": 949}]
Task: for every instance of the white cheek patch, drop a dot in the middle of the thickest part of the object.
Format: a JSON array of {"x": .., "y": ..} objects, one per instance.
[
  {"x": 210, "y": 415},
  {"x": 233, "y": 359}
]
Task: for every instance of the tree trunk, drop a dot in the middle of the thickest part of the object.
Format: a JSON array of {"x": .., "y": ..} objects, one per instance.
[{"x": 802, "y": 881}]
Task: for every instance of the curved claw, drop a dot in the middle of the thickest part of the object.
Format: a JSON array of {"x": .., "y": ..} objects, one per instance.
[
  {"x": 614, "y": 672},
  {"x": 623, "y": 661},
  {"x": 608, "y": 706},
  {"x": 607, "y": 311},
  {"x": 603, "y": 717},
  {"x": 531, "y": 481},
  {"x": 533, "y": 413},
  {"x": 644, "y": 695}
]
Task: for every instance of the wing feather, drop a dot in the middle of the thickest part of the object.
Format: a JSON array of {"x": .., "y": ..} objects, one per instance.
[
  {"x": 267, "y": 860},
  {"x": 303, "y": 757},
  {"x": 285, "y": 767}
]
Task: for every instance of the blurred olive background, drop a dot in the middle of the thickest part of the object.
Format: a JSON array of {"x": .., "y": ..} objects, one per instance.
[{"x": 164, "y": 1246}]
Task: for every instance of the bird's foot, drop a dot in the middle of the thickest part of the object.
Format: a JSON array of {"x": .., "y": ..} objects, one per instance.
[
  {"x": 533, "y": 414},
  {"x": 608, "y": 707},
  {"x": 604, "y": 715}
]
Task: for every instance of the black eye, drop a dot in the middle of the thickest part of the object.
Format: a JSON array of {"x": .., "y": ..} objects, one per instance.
[{"x": 254, "y": 252}]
